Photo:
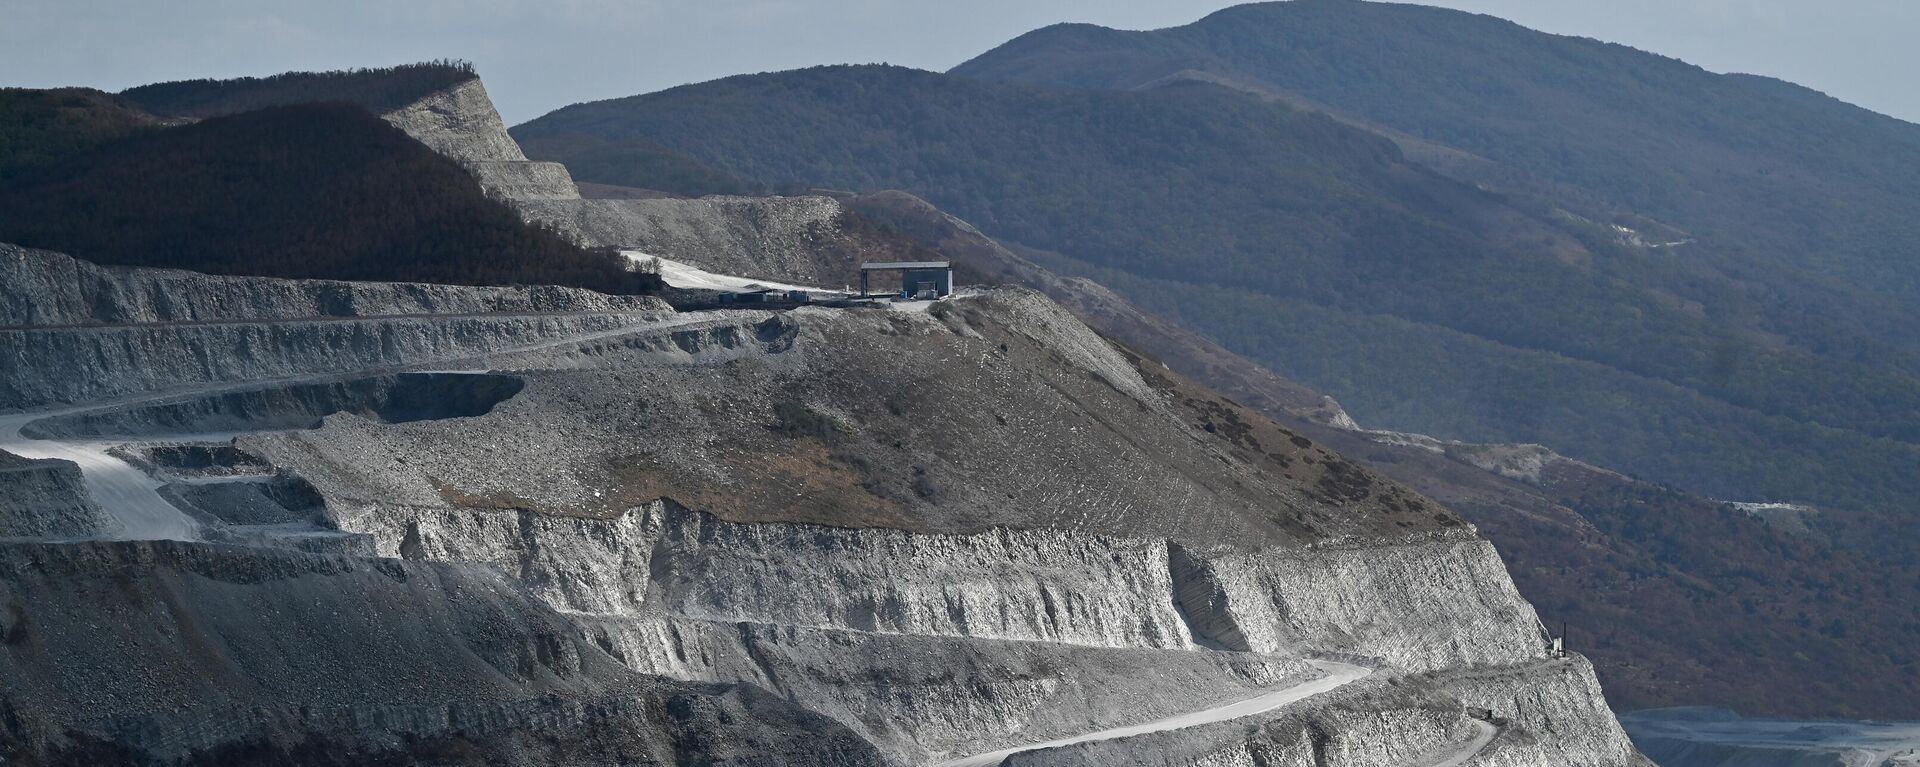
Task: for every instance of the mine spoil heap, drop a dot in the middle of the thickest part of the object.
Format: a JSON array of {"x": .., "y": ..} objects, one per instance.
[{"x": 437, "y": 525}]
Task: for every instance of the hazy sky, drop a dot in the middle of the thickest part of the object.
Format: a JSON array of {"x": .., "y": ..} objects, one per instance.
[{"x": 538, "y": 55}]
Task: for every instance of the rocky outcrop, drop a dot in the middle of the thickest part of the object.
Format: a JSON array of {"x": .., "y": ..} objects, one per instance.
[
  {"x": 47, "y": 499},
  {"x": 459, "y": 122},
  {"x": 715, "y": 576}
]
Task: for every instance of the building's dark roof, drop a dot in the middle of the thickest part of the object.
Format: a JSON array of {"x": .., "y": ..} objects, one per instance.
[{"x": 907, "y": 265}]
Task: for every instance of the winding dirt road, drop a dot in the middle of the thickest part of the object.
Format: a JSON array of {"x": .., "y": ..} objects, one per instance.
[{"x": 1337, "y": 675}]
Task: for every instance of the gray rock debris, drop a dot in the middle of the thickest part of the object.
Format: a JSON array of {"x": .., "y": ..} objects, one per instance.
[{"x": 47, "y": 499}]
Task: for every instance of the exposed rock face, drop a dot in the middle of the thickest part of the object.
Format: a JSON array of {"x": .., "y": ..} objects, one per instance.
[
  {"x": 925, "y": 698},
  {"x": 81, "y": 332},
  {"x": 1416, "y": 607},
  {"x": 1555, "y": 711},
  {"x": 46, "y": 499},
  {"x": 40, "y": 288},
  {"x": 1021, "y": 585},
  {"x": 461, "y": 123},
  {"x": 1034, "y": 585},
  {"x": 130, "y": 652},
  {"x": 63, "y": 365},
  {"x": 520, "y": 181}
]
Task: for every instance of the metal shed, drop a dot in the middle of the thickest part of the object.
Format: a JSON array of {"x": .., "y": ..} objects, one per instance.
[{"x": 918, "y": 279}]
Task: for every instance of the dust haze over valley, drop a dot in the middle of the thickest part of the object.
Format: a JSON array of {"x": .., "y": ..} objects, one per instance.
[{"x": 1316, "y": 383}]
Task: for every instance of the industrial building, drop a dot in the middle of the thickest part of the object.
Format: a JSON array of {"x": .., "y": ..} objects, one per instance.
[{"x": 918, "y": 279}]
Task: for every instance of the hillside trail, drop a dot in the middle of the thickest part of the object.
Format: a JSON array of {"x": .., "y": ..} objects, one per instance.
[{"x": 1465, "y": 752}]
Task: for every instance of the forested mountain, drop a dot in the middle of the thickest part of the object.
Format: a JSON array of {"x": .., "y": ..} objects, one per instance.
[
  {"x": 1762, "y": 174},
  {"x": 317, "y": 190},
  {"x": 1323, "y": 251},
  {"x": 41, "y": 126}
]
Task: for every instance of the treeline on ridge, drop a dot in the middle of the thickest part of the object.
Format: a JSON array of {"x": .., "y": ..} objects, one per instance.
[
  {"x": 41, "y": 126},
  {"x": 380, "y": 89},
  {"x": 307, "y": 191}
]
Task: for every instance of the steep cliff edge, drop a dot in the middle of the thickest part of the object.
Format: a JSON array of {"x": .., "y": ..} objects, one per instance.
[{"x": 460, "y": 122}]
